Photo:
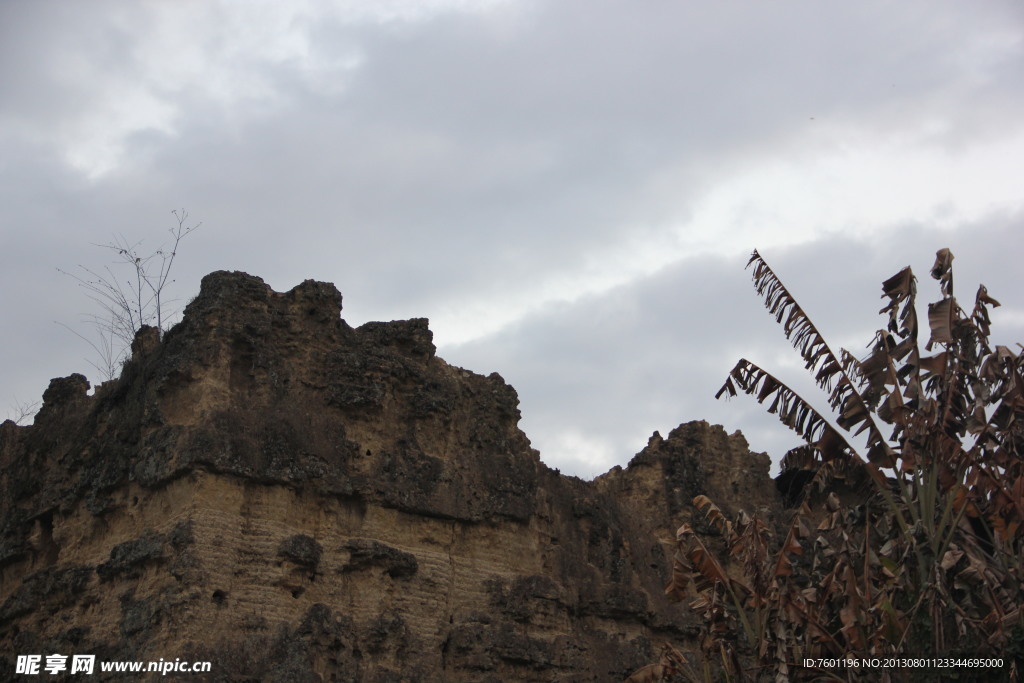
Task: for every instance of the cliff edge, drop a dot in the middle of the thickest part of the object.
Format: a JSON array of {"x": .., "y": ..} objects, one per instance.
[{"x": 291, "y": 498}]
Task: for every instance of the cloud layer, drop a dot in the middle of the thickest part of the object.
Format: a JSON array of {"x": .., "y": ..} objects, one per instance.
[{"x": 568, "y": 190}]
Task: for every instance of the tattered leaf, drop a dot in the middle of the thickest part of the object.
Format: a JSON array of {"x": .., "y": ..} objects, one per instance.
[{"x": 940, "y": 320}]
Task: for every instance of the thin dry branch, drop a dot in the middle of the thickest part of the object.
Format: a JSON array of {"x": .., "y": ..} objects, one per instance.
[{"x": 129, "y": 301}]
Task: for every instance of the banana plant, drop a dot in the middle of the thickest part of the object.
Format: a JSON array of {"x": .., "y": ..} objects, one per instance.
[{"x": 910, "y": 548}]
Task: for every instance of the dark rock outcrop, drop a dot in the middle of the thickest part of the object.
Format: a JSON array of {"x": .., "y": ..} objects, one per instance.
[{"x": 291, "y": 498}]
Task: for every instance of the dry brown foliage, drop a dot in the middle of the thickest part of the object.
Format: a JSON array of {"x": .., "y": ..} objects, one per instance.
[{"x": 913, "y": 549}]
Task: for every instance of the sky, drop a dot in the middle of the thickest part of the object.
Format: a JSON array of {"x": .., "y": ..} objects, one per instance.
[{"x": 568, "y": 190}]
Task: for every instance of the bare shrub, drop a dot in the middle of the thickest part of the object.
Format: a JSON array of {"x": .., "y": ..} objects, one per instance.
[{"x": 130, "y": 293}]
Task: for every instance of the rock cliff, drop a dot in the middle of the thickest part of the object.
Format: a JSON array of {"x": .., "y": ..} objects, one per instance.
[{"x": 291, "y": 498}]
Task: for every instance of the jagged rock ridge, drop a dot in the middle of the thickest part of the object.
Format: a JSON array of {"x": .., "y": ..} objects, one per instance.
[{"x": 292, "y": 498}]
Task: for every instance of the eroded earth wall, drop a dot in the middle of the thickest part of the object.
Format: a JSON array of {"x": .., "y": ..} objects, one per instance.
[{"x": 291, "y": 498}]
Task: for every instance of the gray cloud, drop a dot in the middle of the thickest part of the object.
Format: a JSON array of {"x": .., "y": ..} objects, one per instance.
[
  {"x": 650, "y": 355},
  {"x": 569, "y": 189}
]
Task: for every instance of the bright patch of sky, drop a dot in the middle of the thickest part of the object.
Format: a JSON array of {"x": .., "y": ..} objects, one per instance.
[
  {"x": 862, "y": 188},
  {"x": 231, "y": 53}
]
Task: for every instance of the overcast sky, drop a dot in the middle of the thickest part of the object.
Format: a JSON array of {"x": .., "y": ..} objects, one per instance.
[{"x": 568, "y": 190}]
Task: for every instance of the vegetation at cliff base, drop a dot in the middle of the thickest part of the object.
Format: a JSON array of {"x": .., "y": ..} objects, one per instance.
[{"x": 910, "y": 550}]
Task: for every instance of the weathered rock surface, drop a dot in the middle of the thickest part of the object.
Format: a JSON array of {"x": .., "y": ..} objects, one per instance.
[{"x": 291, "y": 498}]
